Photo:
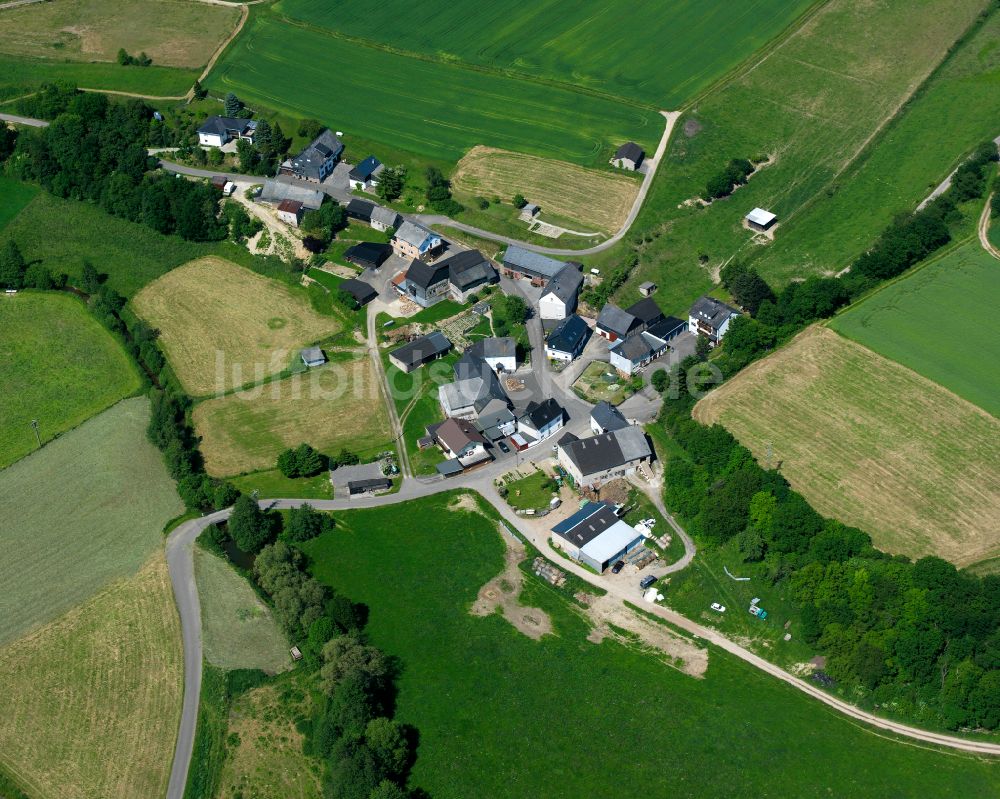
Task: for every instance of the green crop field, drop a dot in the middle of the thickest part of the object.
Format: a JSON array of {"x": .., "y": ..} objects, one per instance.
[
  {"x": 57, "y": 365},
  {"x": 652, "y": 52},
  {"x": 431, "y": 108},
  {"x": 501, "y": 715},
  {"x": 86, "y": 509},
  {"x": 16, "y": 196},
  {"x": 238, "y": 630},
  {"x": 812, "y": 106},
  {"x": 929, "y": 322}
]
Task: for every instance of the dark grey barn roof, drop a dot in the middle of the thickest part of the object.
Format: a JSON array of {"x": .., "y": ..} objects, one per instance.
[
  {"x": 422, "y": 349},
  {"x": 631, "y": 151}
]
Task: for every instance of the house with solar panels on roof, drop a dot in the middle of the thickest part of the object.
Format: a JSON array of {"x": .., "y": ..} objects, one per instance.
[
  {"x": 594, "y": 535},
  {"x": 317, "y": 160}
]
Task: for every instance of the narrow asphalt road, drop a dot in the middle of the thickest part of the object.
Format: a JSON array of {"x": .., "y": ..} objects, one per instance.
[{"x": 17, "y": 120}]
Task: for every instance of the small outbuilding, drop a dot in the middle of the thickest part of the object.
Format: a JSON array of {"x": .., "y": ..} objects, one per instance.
[
  {"x": 372, "y": 486},
  {"x": 647, "y": 289},
  {"x": 420, "y": 351},
  {"x": 760, "y": 220},
  {"x": 368, "y": 254},
  {"x": 362, "y": 292},
  {"x": 529, "y": 212},
  {"x": 290, "y": 212},
  {"x": 629, "y": 156},
  {"x": 312, "y": 356}
]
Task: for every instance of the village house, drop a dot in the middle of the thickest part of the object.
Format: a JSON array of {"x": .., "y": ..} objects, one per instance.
[
  {"x": 415, "y": 241},
  {"x": 500, "y": 354},
  {"x": 375, "y": 216},
  {"x": 316, "y": 161},
  {"x": 457, "y": 277},
  {"x": 595, "y": 460},
  {"x": 541, "y": 420},
  {"x": 290, "y": 212},
  {"x": 274, "y": 192},
  {"x": 567, "y": 339},
  {"x": 420, "y": 351},
  {"x": 364, "y": 177},
  {"x": 614, "y": 324},
  {"x": 559, "y": 297},
  {"x": 460, "y": 441},
  {"x": 628, "y": 355},
  {"x": 710, "y": 317},
  {"x": 606, "y": 418},
  {"x": 218, "y": 131},
  {"x": 628, "y": 156},
  {"x": 594, "y": 535}
]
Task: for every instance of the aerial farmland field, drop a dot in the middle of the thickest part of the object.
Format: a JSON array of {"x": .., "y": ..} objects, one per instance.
[
  {"x": 655, "y": 53},
  {"x": 57, "y": 365},
  {"x": 871, "y": 443},
  {"x": 16, "y": 196},
  {"x": 501, "y": 715},
  {"x": 899, "y": 323}
]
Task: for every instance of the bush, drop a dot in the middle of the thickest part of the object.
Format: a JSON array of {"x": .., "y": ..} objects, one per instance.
[
  {"x": 519, "y": 201},
  {"x": 303, "y": 461},
  {"x": 305, "y": 523},
  {"x": 250, "y": 527}
]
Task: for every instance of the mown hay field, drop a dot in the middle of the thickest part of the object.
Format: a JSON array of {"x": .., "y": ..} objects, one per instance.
[
  {"x": 650, "y": 51},
  {"x": 58, "y": 365},
  {"x": 483, "y": 695},
  {"x": 871, "y": 443},
  {"x": 426, "y": 107},
  {"x": 597, "y": 199},
  {"x": 223, "y": 326},
  {"x": 87, "y": 509},
  {"x": 174, "y": 33},
  {"x": 812, "y": 105},
  {"x": 939, "y": 322},
  {"x": 238, "y": 630},
  {"x": 331, "y": 407},
  {"x": 92, "y": 701}
]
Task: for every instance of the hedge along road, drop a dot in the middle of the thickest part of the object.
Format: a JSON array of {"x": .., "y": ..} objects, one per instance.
[{"x": 180, "y": 562}]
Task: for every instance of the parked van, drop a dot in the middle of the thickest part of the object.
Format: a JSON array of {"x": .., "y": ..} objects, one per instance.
[{"x": 647, "y": 581}]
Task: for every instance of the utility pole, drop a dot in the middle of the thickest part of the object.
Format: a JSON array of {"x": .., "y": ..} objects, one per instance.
[{"x": 38, "y": 438}]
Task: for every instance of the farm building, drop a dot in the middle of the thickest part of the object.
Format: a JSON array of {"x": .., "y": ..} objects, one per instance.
[
  {"x": 628, "y": 354},
  {"x": 217, "y": 131},
  {"x": 567, "y": 339},
  {"x": 529, "y": 212},
  {"x": 362, "y": 292},
  {"x": 606, "y": 418},
  {"x": 368, "y": 254},
  {"x": 364, "y": 177},
  {"x": 647, "y": 289},
  {"x": 594, "y": 535},
  {"x": 274, "y": 192},
  {"x": 290, "y": 212},
  {"x": 613, "y": 323},
  {"x": 459, "y": 439},
  {"x": 628, "y": 156},
  {"x": 457, "y": 276},
  {"x": 420, "y": 351},
  {"x": 594, "y": 460},
  {"x": 384, "y": 219},
  {"x": 558, "y": 300},
  {"x": 360, "y": 210},
  {"x": 416, "y": 241},
  {"x": 519, "y": 263},
  {"x": 500, "y": 354},
  {"x": 312, "y": 356},
  {"x": 316, "y": 161},
  {"x": 710, "y": 317},
  {"x": 541, "y": 419},
  {"x": 467, "y": 397},
  {"x": 370, "y": 486},
  {"x": 759, "y": 219}
]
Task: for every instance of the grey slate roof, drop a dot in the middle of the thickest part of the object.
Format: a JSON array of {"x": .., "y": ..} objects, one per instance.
[
  {"x": 608, "y": 416},
  {"x": 607, "y": 450},
  {"x": 477, "y": 391},
  {"x": 413, "y": 234},
  {"x": 426, "y": 275},
  {"x": 539, "y": 414},
  {"x": 712, "y": 311},
  {"x": 616, "y": 320},
  {"x": 634, "y": 349},
  {"x": 419, "y": 350},
  {"x": 308, "y": 162},
  {"x": 469, "y": 268},
  {"x": 360, "y": 209},
  {"x": 532, "y": 262},
  {"x": 275, "y": 191},
  {"x": 368, "y": 254},
  {"x": 646, "y": 311},
  {"x": 565, "y": 284},
  {"x": 666, "y": 328},
  {"x": 631, "y": 151},
  {"x": 567, "y": 334},
  {"x": 220, "y": 126},
  {"x": 361, "y": 291},
  {"x": 385, "y": 216},
  {"x": 504, "y": 347}
]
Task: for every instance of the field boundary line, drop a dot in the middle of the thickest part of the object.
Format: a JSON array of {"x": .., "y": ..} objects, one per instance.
[
  {"x": 244, "y": 15},
  {"x": 984, "y": 228}
]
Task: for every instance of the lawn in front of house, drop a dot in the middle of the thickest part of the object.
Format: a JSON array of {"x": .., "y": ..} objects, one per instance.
[
  {"x": 272, "y": 484},
  {"x": 600, "y": 381},
  {"x": 533, "y": 492}
]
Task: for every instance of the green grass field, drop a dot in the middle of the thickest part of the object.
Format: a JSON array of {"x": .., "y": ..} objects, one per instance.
[
  {"x": 812, "y": 105},
  {"x": 57, "y": 365},
  {"x": 238, "y": 630},
  {"x": 431, "y": 108},
  {"x": 501, "y": 715},
  {"x": 901, "y": 323},
  {"x": 20, "y": 76},
  {"x": 273, "y": 484},
  {"x": 16, "y": 195},
  {"x": 531, "y": 492},
  {"x": 86, "y": 509},
  {"x": 656, "y": 53}
]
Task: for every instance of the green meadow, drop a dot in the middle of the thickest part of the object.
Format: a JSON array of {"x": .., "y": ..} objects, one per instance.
[
  {"x": 937, "y": 321},
  {"x": 25, "y": 75},
  {"x": 57, "y": 365},
  {"x": 85, "y": 510},
  {"x": 500, "y": 715},
  {"x": 651, "y": 52},
  {"x": 16, "y": 195},
  {"x": 432, "y": 108}
]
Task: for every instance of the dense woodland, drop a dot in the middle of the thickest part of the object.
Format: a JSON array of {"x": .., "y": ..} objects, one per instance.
[{"x": 921, "y": 639}]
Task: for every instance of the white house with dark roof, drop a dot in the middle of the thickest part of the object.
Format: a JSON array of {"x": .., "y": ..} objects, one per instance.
[
  {"x": 629, "y": 156},
  {"x": 595, "y": 460},
  {"x": 606, "y": 418},
  {"x": 560, "y": 294},
  {"x": 541, "y": 419},
  {"x": 317, "y": 160},
  {"x": 614, "y": 324},
  {"x": 594, "y": 535},
  {"x": 567, "y": 339},
  {"x": 416, "y": 241},
  {"x": 217, "y": 131},
  {"x": 458, "y": 277},
  {"x": 629, "y": 354},
  {"x": 710, "y": 317},
  {"x": 364, "y": 177}
]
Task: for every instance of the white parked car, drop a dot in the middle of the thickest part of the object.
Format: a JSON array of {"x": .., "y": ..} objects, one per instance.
[{"x": 718, "y": 607}]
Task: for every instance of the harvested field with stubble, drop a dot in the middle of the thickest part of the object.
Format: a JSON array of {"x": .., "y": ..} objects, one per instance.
[
  {"x": 595, "y": 198},
  {"x": 92, "y": 701},
  {"x": 211, "y": 310},
  {"x": 871, "y": 443},
  {"x": 332, "y": 407}
]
